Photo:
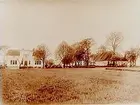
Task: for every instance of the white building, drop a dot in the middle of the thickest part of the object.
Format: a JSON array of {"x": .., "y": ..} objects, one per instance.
[{"x": 14, "y": 59}]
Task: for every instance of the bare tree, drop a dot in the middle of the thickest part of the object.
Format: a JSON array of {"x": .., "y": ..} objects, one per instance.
[
  {"x": 41, "y": 53},
  {"x": 114, "y": 40},
  {"x": 132, "y": 56},
  {"x": 102, "y": 49},
  {"x": 61, "y": 50}
]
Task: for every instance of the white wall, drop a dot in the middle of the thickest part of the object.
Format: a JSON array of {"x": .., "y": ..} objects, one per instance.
[
  {"x": 101, "y": 63},
  {"x": 19, "y": 59},
  {"x": 8, "y": 62}
]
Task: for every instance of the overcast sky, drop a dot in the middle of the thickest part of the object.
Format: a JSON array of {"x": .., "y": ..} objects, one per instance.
[{"x": 27, "y": 23}]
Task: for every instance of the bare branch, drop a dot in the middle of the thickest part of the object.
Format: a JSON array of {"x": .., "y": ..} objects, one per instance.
[{"x": 114, "y": 40}]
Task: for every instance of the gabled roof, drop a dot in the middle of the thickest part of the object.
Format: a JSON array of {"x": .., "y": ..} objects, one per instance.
[
  {"x": 105, "y": 56},
  {"x": 13, "y": 52},
  {"x": 118, "y": 58},
  {"x": 109, "y": 56}
]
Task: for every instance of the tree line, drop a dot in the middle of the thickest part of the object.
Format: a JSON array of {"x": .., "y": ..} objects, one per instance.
[{"x": 80, "y": 53}]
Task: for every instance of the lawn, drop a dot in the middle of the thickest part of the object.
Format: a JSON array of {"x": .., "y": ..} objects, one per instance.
[{"x": 69, "y": 86}]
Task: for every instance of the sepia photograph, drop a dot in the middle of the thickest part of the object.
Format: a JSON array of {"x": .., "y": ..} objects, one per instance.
[{"x": 69, "y": 52}]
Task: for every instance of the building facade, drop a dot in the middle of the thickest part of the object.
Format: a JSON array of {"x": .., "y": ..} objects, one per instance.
[{"x": 14, "y": 59}]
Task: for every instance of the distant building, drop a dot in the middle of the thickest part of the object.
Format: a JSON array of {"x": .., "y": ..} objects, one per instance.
[
  {"x": 109, "y": 59},
  {"x": 102, "y": 59},
  {"x": 15, "y": 59}
]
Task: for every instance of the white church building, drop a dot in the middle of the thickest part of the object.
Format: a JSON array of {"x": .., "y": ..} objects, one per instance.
[{"x": 14, "y": 59}]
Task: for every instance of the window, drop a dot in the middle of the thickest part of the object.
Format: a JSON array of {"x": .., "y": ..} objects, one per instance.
[
  {"x": 13, "y": 62},
  {"x": 25, "y": 63},
  {"x": 37, "y": 62},
  {"x": 22, "y": 62}
]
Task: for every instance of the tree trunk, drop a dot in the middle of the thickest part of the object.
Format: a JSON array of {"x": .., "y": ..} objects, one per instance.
[
  {"x": 78, "y": 63},
  {"x": 75, "y": 63},
  {"x": 87, "y": 57},
  {"x": 87, "y": 63},
  {"x": 43, "y": 63},
  {"x": 81, "y": 63},
  {"x": 64, "y": 65},
  {"x": 130, "y": 63}
]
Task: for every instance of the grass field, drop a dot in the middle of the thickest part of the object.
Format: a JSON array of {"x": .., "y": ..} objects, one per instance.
[{"x": 70, "y": 86}]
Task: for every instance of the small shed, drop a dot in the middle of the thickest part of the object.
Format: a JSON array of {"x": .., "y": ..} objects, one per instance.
[{"x": 118, "y": 61}]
